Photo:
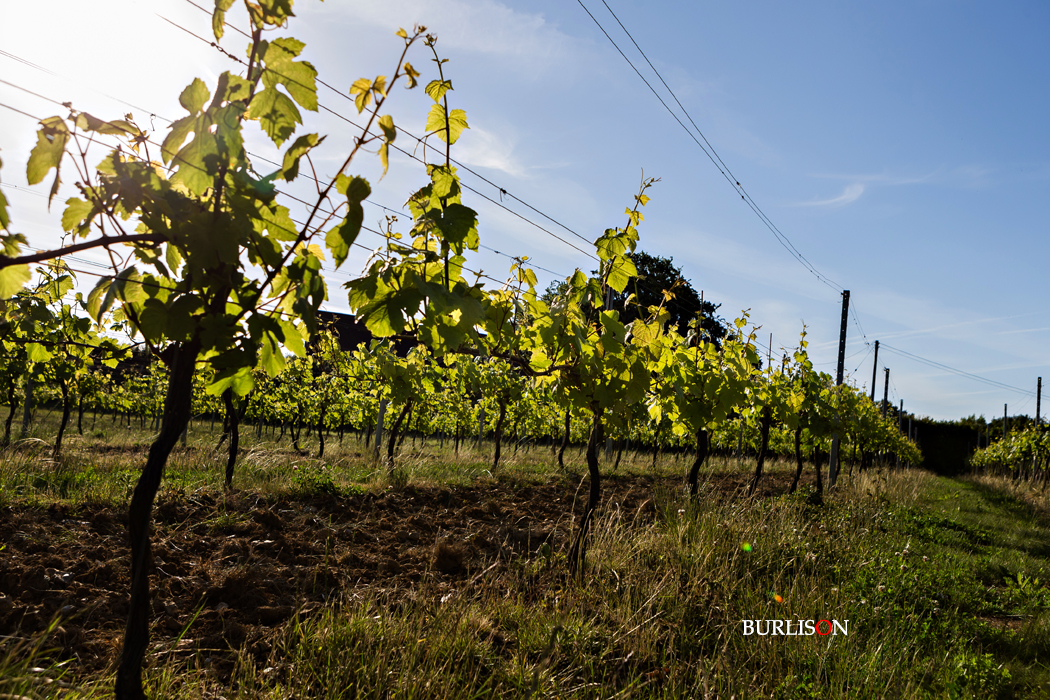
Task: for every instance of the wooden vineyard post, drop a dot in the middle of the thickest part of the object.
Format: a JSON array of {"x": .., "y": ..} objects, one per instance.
[
  {"x": 379, "y": 427},
  {"x": 886, "y": 394},
  {"x": 874, "y": 371},
  {"x": 900, "y": 428},
  {"x": 27, "y": 404},
  {"x": 1038, "y": 398},
  {"x": 833, "y": 462}
]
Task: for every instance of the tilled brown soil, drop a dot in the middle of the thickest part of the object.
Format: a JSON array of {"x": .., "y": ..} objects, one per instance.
[{"x": 229, "y": 571}]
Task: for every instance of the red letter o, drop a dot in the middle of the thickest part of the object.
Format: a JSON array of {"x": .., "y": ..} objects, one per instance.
[{"x": 829, "y": 628}]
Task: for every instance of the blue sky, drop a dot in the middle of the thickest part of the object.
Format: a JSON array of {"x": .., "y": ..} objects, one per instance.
[{"x": 900, "y": 146}]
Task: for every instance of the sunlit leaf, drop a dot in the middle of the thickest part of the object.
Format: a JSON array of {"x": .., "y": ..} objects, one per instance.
[
  {"x": 276, "y": 113},
  {"x": 194, "y": 96},
  {"x": 12, "y": 279},
  {"x": 302, "y": 146},
  {"x": 437, "y": 89},
  {"x": 457, "y": 122},
  {"x": 77, "y": 210},
  {"x": 50, "y": 146}
]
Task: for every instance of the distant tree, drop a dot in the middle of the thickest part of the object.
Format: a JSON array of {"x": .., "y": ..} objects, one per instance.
[
  {"x": 554, "y": 290},
  {"x": 656, "y": 275},
  {"x": 974, "y": 423}
]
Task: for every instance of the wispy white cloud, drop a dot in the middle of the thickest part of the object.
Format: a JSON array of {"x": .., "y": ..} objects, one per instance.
[
  {"x": 850, "y": 194},
  {"x": 481, "y": 26},
  {"x": 1025, "y": 330},
  {"x": 967, "y": 176},
  {"x": 882, "y": 178},
  {"x": 485, "y": 149}
]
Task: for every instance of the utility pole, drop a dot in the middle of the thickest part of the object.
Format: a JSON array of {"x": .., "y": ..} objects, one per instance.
[
  {"x": 886, "y": 394},
  {"x": 1004, "y": 422},
  {"x": 874, "y": 371},
  {"x": 833, "y": 465}
]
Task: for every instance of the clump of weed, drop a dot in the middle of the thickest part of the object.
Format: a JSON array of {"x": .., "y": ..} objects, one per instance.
[{"x": 315, "y": 481}]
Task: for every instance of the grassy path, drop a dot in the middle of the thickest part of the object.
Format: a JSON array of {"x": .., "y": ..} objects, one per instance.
[{"x": 991, "y": 553}]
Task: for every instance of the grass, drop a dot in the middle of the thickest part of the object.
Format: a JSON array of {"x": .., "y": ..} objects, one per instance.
[
  {"x": 103, "y": 464},
  {"x": 944, "y": 584}
]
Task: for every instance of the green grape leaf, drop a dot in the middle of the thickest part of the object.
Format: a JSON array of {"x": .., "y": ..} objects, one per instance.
[
  {"x": 302, "y": 146},
  {"x": 36, "y": 352},
  {"x": 177, "y": 134},
  {"x": 276, "y": 221},
  {"x": 12, "y": 279},
  {"x": 230, "y": 88},
  {"x": 5, "y": 219},
  {"x": 153, "y": 320},
  {"x": 117, "y": 127},
  {"x": 196, "y": 162},
  {"x": 77, "y": 214},
  {"x": 218, "y": 18},
  {"x": 356, "y": 188},
  {"x": 386, "y": 124},
  {"x": 194, "y": 96},
  {"x": 458, "y": 225},
  {"x": 299, "y": 78},
  {"x": 644, "y": 334},
  {"x": 239, "y": 380},
  {"x": 276, "y": 114},
  {"x": 528, "y": 276},
  {"x": 275, "y": 12},
  {"x": 228, "y": 136},
  {"x": 611, "y": 244},
  {"x": 50, "y": 146},
  {"x": 362, "y": 88},
  {"x": 341, "y": 237},
  {"x": 271, "y": 359},
  {"x": 621, "y": 271},
  {"x": 445, "y": 182},
  {"x": 382, "y": 305},
  {"x": 437, "y": 89},
  {"x": 293, "y": 337},
  {"x": 457, "y": 122},
  {"x": 384, "y": 157}
]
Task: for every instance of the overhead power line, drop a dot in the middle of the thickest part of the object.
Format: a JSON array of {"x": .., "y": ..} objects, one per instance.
[
  {"x": 709, "y": 150},
  {"x": 863, "y": 359},
  {"x": 419, "y": 140},
  {"x": 953, "y": 370},
  {"x": 502, "y": 191},
  {"x": 531, "y": 263},
  {"x": 478, "y": 273},
  {"x": 398, "y": 148}
]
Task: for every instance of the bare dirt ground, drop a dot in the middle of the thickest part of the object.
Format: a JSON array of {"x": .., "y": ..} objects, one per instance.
[{"x": 230, "y": 571}]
